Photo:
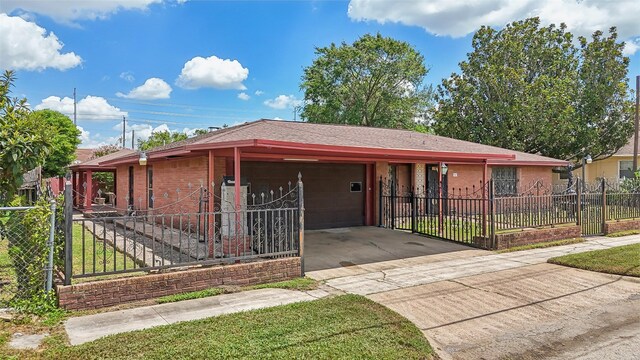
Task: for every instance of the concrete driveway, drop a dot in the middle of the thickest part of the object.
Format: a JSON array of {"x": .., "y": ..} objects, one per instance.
[
  {"x": 346, "y": 247},
  {"x": 509, "y": 306}
]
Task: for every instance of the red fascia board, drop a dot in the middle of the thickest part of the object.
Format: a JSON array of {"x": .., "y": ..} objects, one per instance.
[
  {"x": 81, "y": 167},
  {"x": 530, "y": 163},
  {"x": 383, "y": 153}
]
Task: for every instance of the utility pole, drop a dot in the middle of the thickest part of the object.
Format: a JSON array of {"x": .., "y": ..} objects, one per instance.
[
  {"x": 75, "y": 113},
  {"x": 637, "y": 127},
  {"x": 124, "y": 127},
  {"x": 133, "y": 136}
]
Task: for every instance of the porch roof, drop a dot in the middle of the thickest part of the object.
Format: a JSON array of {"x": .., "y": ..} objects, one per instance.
[
  {"x": 309, "y": 139},
  {"x": 98, "y": 163}
]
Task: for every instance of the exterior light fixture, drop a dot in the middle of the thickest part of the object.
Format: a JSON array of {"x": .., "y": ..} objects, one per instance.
[
  {"x": 143, "y": 159},
  {"x": 585, "y": 160},
  {"x": 445, "y": 168},
  {"x": 588, "y": 159}
]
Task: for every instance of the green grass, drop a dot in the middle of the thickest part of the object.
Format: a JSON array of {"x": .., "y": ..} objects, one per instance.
[
  {"x": 542, "y": 245},
  {"x": 621, "y": 260},
  {"x": 343, "y": 327},
  {"x": 624, "y": 233},
  {"x": 190, "y": 295},
  {"x": 300, "y": 284},
  {"x": 103, "y": 256},
  {"x": 7, "y": 273}
]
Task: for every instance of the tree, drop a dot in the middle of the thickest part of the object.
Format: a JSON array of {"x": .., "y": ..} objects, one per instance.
[
  {"x": 531, "y": 89},
  {"x": 160, "y": 138},
  {"x": 376, "y": 81},
  {"x": 24, "y": 141},
  {"x": 64, "y": 141},
  {"x": 105, "y": 150}
]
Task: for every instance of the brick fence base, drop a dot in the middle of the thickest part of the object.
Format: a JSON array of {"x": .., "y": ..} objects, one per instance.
[
  {"x": 527, "y": 237},
  {"x": 113, "y": 292},
  {"x": 623, "y": 225}
]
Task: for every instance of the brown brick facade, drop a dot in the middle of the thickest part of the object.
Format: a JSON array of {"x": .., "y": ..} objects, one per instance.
[
  {"x": 113, "y": 292},
  {"x": 527, "y": 237},
  {"x": 623, "y": 225}
]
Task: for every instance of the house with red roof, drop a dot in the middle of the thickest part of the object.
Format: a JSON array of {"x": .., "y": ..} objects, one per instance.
[{"x": 342, "y": 167}]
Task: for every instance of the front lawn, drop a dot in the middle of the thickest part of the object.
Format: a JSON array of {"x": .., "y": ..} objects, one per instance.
[
  {"x": 343, "y": 327},
  {"x": 621, "y": 260}
]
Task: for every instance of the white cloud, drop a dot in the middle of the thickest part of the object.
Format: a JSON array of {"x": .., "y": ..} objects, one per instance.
[
  {"x": 283, "y": 102},
  {"x": 127, "y": 76},
  {"x": 26, "y": 46},
  {"x": 244, "y": 96},
  {"x": 67, "y": 11},
  {"x": 259, "y": 92},
  {"x": 454, "y": 18},
  {"x": 89, "y": 141},
  {"x": 212, "y": 72},
  {"x": 89, "y": 108},
  {"x": 153, "y": 88}
]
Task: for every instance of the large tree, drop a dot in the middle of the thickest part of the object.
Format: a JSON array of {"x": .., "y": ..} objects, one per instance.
[
  {"x": 376, "y": 81},
  {"x": 64, "y": 139},
  {"x": 532, "y": 89},
  {"x": 24, "y": 141},
  {"x": 160, "y": 138}
]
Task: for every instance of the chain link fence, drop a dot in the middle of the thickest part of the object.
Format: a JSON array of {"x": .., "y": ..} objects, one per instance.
[{"x": 26, "y": 252}]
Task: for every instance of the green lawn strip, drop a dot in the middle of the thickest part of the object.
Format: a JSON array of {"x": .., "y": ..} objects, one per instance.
[
  {"x": 190, "y": 295},
  {"x": 104, "y": 257},
  {"x": 343, "y": 327},
  {"x": 620, "y": 260},
  {"x": 542, "y": 245},
  {"x": 7, "y": 273},
  {"x": 624, "y": 233},
  {"x": 300, "y": 284}
]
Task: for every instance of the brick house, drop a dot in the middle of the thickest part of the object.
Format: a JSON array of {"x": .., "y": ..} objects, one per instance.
[{"x": 341, "y": 167}]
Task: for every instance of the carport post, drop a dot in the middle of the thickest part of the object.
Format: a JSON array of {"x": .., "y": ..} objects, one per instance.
[{"x": 301, "y": 223}]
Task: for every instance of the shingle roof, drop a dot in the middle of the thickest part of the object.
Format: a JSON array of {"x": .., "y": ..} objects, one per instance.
[
  {"x": 96, "y": 161},
  {"x": 627, "y": 150},
  {"x": 349, "y": 136},
  {"x": 83, "y": 155}
]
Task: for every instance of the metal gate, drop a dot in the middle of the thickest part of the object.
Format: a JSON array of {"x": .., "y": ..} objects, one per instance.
[{"x": 592, "y": 213}]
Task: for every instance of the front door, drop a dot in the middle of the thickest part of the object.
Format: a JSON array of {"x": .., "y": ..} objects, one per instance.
[
  {"x": 433, "y": 194},
  {"x": 130, "y": 203}
]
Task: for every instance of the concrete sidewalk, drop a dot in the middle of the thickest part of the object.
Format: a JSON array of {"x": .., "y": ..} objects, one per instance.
[
  {"x": 397, "y": 275},
  {"x": 91, "y": 327}
]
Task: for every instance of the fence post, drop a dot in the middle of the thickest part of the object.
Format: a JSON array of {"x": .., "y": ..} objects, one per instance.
[
  {"x": 68, "y": 233},
  {"x": 380, "y": 202},
  {"x": 492, "y": 208},
  {"x": 393, "y": 204},
  {"x": 579, "y": 205},
  {"x": 301, "y": 223},
  {"x": 50, "y": 244},
  {"x": 604, "y": 205},
  {"x": 414, "y": 213}
]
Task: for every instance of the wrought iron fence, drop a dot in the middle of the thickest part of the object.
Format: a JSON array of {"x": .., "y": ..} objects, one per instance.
[
  {"x": 173, "y": 234},
  {"x": 26, "y": 251},
  {"x": 464, "y": 215}
]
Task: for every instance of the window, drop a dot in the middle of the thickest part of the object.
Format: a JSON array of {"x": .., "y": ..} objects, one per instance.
[
  {"x": 625, "y": 169},
  {"x": 150, "y": 186},
  {"x": 505, "y": 180}
]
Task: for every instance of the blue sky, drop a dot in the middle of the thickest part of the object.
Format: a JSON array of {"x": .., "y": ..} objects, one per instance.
[{"x": 191, "y": 64}]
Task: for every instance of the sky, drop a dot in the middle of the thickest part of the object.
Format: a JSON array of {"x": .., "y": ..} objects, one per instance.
[{"x": 180, "y": 65}]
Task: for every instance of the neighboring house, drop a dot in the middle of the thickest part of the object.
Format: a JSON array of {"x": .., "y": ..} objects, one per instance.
[
  {"x": 57, "y": 183},
  {"x": 614, "y": 168},
  {"x": 341, "y": 167}
]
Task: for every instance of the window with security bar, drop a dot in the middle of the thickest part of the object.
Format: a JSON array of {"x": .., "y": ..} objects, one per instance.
[
  {"x": 625, "y": 169},
  {"x": 505, "y": 179}
]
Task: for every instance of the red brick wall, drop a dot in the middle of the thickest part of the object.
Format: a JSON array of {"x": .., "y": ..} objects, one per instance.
[
  {"x": 463, "y": 178},
  {"x": 526, "y": 237},
  {"x": 623, "y": 225},
  {"x": 122, "y": 187},
  {"x": 528, "y": 175},
  {"x": 113, "y": 292},
  {"x": 169, "y": 175},
  {"x": 139, "y": 189}
]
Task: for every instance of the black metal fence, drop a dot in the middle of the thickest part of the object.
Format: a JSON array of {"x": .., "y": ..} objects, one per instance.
[
  {"x": 463, "y": 215},
  {"x": 267, "y": 226}
]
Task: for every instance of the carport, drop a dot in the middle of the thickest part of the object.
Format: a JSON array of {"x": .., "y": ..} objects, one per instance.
[{"x": 354, "y": 246}]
